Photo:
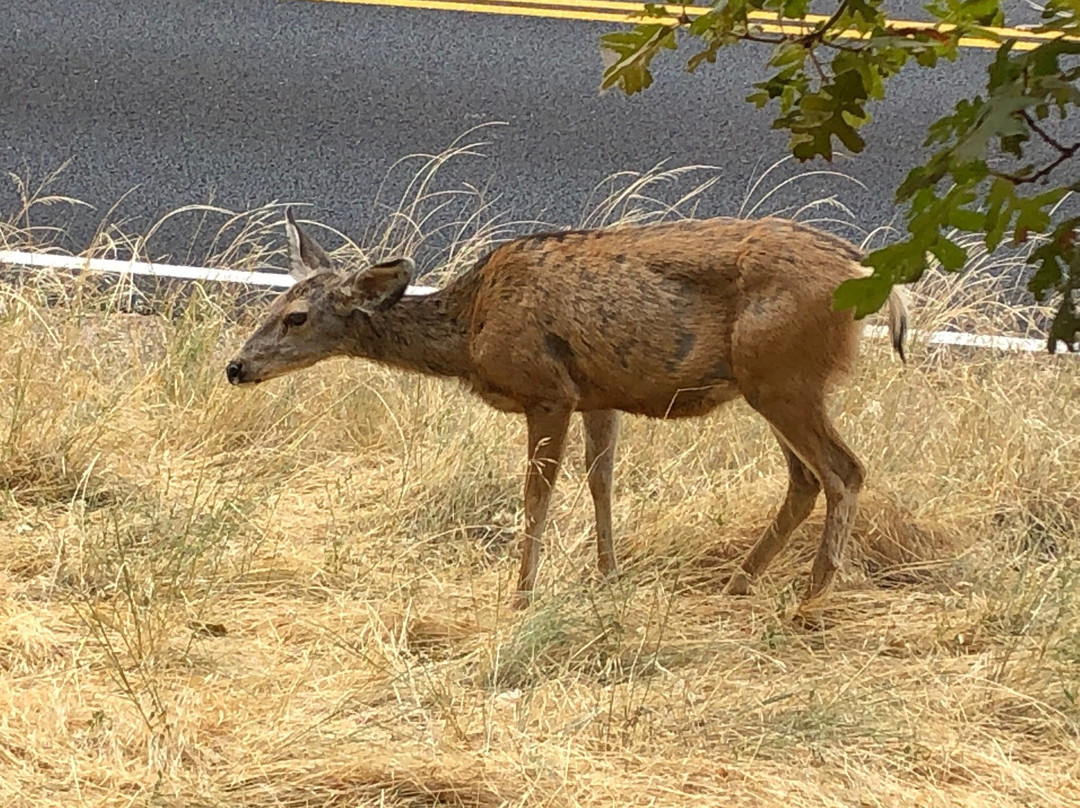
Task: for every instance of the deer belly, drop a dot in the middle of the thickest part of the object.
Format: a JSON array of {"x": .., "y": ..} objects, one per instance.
[
  {"x": 667, "y": 402},
  {"x": 659, "y": 387}
]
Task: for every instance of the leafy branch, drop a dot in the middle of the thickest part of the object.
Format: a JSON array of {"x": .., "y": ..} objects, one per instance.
[
  {"x": 1064, "y": 153},
  {"x": 826, "y": 71}
]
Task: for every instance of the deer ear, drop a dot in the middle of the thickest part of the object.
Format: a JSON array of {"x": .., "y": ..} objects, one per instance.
[
  {"x": 305, "y": 256},
  {"x": 378, "y": 287}
]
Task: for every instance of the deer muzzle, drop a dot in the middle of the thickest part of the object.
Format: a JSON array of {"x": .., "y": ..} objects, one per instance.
[{"x": 234, "y": 372}]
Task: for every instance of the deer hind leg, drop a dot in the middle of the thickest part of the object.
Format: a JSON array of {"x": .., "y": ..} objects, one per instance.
[
  {"x": 808, "y": 433},
  {"x": 601, "y": 433},
  {"x": 547, "y": 436},
  {"x": 841, "y": 495},
  {"x": 802, "y": 492}
]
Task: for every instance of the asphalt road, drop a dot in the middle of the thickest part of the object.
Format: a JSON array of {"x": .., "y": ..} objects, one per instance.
[{"x": 248, "y": 101}]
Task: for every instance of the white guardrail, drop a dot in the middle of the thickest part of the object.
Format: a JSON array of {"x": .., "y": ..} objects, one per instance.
[
  {"x": 121, "y": 267},
  {"x": 282, "y": 280}
]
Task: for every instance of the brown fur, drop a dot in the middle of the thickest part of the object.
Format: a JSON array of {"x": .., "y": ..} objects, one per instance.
[{"x": 664, "y": 320}]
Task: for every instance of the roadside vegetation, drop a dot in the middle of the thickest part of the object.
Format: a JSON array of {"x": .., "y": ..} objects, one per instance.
[{"x": 296, "y": 595}]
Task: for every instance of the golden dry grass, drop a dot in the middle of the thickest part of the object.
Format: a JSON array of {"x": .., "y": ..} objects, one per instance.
[{"x": 295, "y": 595}]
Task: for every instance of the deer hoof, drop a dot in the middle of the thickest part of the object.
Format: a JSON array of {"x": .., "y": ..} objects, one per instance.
[{"x": 738, "y": 584}]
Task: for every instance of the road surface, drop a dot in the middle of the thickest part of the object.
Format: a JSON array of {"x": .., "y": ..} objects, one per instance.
[{"x": 247, "y": 101}]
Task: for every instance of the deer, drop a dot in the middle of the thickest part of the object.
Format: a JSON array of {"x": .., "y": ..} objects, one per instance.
[{"x": 664, "y": 320}]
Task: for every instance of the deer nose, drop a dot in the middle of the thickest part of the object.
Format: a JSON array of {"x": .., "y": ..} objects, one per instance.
[{"x": 233, "y": 371}]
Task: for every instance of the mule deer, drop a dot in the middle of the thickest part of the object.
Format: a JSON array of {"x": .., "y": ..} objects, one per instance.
[{"x": 664, "y": 320}]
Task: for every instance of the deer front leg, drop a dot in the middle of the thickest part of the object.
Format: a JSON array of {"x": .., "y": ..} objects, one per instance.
[
  {"x": 547, "y": 436},
  {"x": 601, "y": 433}
]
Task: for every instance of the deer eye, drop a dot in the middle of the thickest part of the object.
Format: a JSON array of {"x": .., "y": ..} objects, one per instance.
[{"x": 295, "y": 319}]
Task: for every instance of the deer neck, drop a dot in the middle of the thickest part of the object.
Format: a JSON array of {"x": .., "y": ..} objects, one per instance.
[{"x": 423, "y": 334}]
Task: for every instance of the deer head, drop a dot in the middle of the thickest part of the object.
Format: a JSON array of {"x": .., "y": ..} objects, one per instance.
[{"x": 327, "y": 313}]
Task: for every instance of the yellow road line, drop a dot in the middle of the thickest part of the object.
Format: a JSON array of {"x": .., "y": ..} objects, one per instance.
[
  {"x": 625, "y": 12},
  {"x": 507, "y": 8},
  {"x": 1004, "y": 33}
]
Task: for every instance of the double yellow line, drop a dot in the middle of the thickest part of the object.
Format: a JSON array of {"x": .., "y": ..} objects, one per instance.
[{"x": 618, "y": 12}]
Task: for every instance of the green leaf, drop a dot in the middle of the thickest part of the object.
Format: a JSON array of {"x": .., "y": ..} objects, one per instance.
[
  {"x": 983, "y": 12},
  {"x": 848, "y": 135},
  {"x": 1050, "y": 264},
  {"x": 971, "y": 221},
  {"x": 998, "y": 202},
  {"x": 627, "y": 56},
  {"x": 997, "y": 119},
  {"x": 1014, "y": 144},
  {"x": 927, "y": 57},
  {"x": 707, "y": 55},
  {"x": 1044, "y": 59},
  {"x": 903, "y": 262},
  {"x": 970, "y": 173},
  {"x": 1032, "y": 213},
  {"x": 1003, "y": 70},
  {"x": 865, "y": 295},
  {"x": 791, "y": 53},
  {"x": 951, "y": 255}
]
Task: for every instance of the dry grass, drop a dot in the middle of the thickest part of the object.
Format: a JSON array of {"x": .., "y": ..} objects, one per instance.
[{"x": 295, "y": 596}]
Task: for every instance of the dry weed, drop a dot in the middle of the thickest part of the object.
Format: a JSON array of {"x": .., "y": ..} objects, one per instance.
[{"x": 295, "y": 596}]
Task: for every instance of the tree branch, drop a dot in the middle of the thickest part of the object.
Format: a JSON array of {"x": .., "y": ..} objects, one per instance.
[
  {"x": 1064, "y": 153},
  {"x": 817, "y": 65},
  {"x": 764, "y": 40},
  {"x": 1050, "y": 141},
  {"x": 816, "y": 36},
  {"x": 1045, "y": 171}
]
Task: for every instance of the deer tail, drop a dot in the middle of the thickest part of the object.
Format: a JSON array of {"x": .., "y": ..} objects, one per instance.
[{"x": 898, "y": 320}]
